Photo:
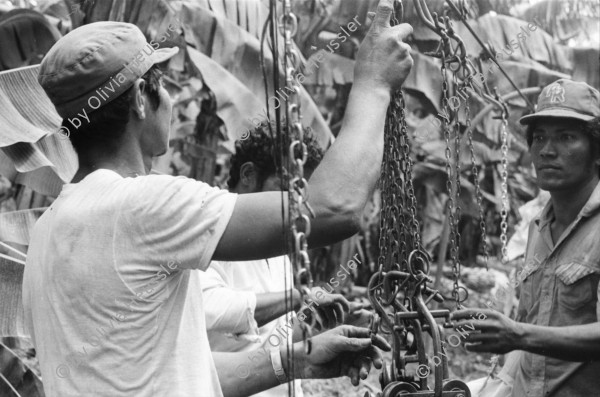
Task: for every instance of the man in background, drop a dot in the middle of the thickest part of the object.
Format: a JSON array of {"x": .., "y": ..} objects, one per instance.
[{"x": 251, "y": 304}]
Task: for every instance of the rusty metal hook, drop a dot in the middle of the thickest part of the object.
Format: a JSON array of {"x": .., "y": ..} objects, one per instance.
[
  {"x": 373, "y": 286},
  {"x": 424, "y": 15}
]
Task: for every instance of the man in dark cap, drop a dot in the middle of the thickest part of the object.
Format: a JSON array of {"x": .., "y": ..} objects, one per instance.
[
  {"x": 557, "y": 328},
  {"x": 107, "y": 290}
]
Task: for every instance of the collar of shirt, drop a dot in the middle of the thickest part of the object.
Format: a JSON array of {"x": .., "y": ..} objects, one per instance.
[{"x": 590, "y": 207}]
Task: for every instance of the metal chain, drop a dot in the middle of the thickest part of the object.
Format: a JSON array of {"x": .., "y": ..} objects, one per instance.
[
  {"x": 399, "y": 230},
  {"x": 297, "y": 156},
  {"x": 393, "y": 190},
  {"x": 457, "y": 210},
  {"x": 451, "y": 202},
  {"x": 475, "y": 172},
  {"x": 504, "y": 187},
  {"x": 408, "y": 177}
]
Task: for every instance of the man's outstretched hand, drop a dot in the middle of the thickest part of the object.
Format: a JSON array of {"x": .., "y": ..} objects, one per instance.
[
  {"x": 343, "y": 351},
  {"x": 383, "y": 59},
  {"x": 488, "y": 331}
]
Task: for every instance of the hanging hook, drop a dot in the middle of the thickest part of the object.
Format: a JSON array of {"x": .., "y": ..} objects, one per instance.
[
  {"x": 488, "y": 52},
  {"x": 398, "y": 15},
  {"x": 424, "y": 15},
  {"x": 503, "y": 105}
]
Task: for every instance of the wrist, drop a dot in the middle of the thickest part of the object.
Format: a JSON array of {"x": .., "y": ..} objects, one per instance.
[
  {"x": 526, "y": 337},
  {"x": 523, "y": 339},
  {"x": 372, "y": 87},
  {"x": 299, "y": 358},
  {"x": 277, "y": 364}
]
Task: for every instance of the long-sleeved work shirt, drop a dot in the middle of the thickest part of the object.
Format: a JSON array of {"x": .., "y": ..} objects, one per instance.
[{"x": 560, "y": 288}]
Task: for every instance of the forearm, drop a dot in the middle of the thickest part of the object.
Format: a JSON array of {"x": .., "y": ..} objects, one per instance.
[
  {"x": 573, "y": 343},
  {"x": 240, "y": 377},
  {"x": 346, "y": 177},
  {"x": 272, "y": 305}
]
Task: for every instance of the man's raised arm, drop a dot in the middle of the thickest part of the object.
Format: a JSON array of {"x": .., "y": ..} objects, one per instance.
[{"x": 344, "y": 181}]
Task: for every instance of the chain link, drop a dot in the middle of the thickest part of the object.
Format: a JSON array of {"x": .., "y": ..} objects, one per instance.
[
  {"x": 452, "y": 204},
  {"x": 475, "y": 172},
  {"x": 457, "y": 211},
  {"x": 297, "y": 157},
  {"x": 504, "y": 187}
]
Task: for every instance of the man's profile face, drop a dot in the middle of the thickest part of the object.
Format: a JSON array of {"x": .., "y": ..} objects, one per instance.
[{"x": 562, "y": 155}]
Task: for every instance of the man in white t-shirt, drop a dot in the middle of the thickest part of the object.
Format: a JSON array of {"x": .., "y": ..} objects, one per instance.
[{"x": 107, "y": 291}]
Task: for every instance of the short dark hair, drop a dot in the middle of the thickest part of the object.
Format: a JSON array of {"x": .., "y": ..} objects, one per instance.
[
  {"x": 109, "y": 122},
  {"x": 592, "y": 128},
  {"x": 260, "y": 149}
]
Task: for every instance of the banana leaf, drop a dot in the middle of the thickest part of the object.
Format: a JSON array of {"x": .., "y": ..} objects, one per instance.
[
  {"x": 31, "y": 152},
  {"x": 11, "y": 309},
  {"x": 334, "y": 70},
  {"x": 16, "y": 226},
  {"x": 25, "y": 37},
  {"x": 238, "y": 52},
  {"x": 501, "y": 30},
  {"x": 564, "y": 19},
  {"x": 586, "y": 64},
  {"x": 16, "y": 378}
]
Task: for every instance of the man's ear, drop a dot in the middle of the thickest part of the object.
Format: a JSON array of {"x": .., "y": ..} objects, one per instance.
[
  {"x": 138, "y": 99},
  {"x": 249, "y": 175}
]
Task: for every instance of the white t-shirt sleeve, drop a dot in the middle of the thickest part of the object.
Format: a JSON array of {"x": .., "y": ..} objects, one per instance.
[
  {"x": 227, "y": 310},
  {"x": 176, "y": 218}
]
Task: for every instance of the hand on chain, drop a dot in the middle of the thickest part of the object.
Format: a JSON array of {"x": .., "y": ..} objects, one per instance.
[
  {"x": 383, "y": 59},
  {"x": 328, "y": 308},
  {"x": 343, "y": 351}
]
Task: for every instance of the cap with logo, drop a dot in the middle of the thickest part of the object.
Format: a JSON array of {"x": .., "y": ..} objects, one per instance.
[
  {"x": 566, "y": 99},
  {"x": 95, "y": 63}
]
